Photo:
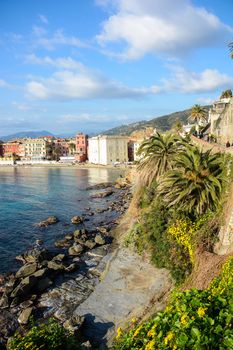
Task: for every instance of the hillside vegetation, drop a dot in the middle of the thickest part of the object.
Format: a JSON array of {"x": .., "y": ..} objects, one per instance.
[
  {"x": 182, "y": 200},
  {"x": 162, "y": 123}
]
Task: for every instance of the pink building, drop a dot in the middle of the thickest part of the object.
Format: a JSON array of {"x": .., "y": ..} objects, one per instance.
[{"x": 81, "y": 147}]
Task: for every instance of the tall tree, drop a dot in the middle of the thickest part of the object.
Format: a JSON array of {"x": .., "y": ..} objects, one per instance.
[
  {"x": 157, "y": 154},
  {"x": 231, "y": 49},
  {"x": 195, "y": 184},
  {"x": 226, "y": 94},
  {"x": 198, "y": 114}
]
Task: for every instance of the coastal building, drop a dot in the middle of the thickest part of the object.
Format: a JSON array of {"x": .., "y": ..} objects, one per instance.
[
  {"x": 1, "y": 148},
  {"x": 221, "y": 120},
  {"x": 36, "y": 149},
  {"x": 12, "y": 148},
  {"x": 81, "y": 147},
  {"x": 107, "y": 150}
]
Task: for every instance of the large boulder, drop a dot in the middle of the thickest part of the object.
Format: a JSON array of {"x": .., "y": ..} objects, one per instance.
[
  {"x": 37, "y": 254},
  {"x": 25, "y": 315},
  {"x": 102, "y": 194},
  {"x": 90, "y": 244},
  {"x": 26, "y": 270},
  {"x": 24, "y": 286}
]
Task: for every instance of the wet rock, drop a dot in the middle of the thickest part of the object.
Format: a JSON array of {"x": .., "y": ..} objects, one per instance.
[
  {"x": 26, "y": 304},
  {"x": 37, "y": 255},
  {"x": 77, "y": 233},
  {"x": 100, "y": 186},
  {"x": 74, "y": 324},
  {"x": 26, "y": 270},
  {"x": 69, "y": 236},
  {"x": 24, "y": 287},
  {"x": 59, "y": 258},
  {"x": 76, "y": 249},
  {"x": 25, "y": 315},
  {"x": 86, "y": 345},
  {"x": 102, "y": 229},
  {"x": 102, "y": 194},
  {"x": 99, "y": 240},
  {"x": 79, "y": 241},
  {"x": 4, "y": 302},
  {"x": 62, "y": 243},
  {"x": 51, "y": 220},
  {"x": 72, "y": 267},
  {"x": 76, "y": 219},
  {"x": 90, "y": 244},
  {"x": 40, "y": 273},
  {"x": 53, "y": 265}
]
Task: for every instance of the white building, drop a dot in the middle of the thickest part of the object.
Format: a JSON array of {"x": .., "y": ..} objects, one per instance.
[
  {"x": 136, "y": 146},
  {"x": 108, "y": 149}
]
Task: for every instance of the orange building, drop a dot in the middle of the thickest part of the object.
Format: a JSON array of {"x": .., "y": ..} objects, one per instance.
[
  {"x": 81, "y": 147},
  {"x": 12, "y": 148}
]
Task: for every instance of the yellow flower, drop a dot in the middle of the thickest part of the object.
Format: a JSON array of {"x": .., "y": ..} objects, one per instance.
[
  {"x": 201, "y": 311},
  {"x": 133, "y": 320},
  {"x": 152, "y": 331},
  {"x": 137, "y": 331},
  {"x": 150, "y": 345},
  {"x": 119, "y": 332},
  {"x": 183, "y": 320},
  {"x": 168, "y": 338},
  {"x": 174, "y": 347}
]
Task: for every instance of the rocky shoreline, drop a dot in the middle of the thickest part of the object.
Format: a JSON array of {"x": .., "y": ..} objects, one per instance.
[{"x": 54, "y": 284}]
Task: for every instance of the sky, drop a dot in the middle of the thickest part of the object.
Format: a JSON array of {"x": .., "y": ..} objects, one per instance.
[{"x": 90, "y": 65}]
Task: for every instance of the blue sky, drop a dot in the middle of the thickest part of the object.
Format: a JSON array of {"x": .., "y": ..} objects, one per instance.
[{"x": 89, "y": 65}]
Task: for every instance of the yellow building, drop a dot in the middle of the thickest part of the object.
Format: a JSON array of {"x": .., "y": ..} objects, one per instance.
[{"x": 35, "y": 149}]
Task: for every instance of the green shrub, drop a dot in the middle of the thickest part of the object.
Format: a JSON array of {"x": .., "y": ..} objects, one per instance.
[
  {"x": 194, "y": 319},
  {"x": 50, "y": 336}
]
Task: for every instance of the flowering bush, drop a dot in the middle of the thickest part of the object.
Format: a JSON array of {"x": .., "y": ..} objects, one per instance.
[
  {"x": 183, "y": 230},
  {"x": 193, "y": 320},
  {"x": 49, "y": 336}
]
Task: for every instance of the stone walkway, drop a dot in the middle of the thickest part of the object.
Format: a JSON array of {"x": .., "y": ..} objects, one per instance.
[{"x": 129, "y": 286}]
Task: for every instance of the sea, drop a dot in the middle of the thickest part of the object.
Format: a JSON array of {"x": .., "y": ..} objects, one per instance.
[{"x": 29, "y": 195}]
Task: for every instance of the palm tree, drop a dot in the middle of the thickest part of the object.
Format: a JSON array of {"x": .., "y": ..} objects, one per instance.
[
  {"x": 231, "y": 49},
  {"x": 195, "y": 185},
  {"x": 198, "y": 114},
  {"x": 226, "y": 94},
  {"x": 157, "y": 155}
]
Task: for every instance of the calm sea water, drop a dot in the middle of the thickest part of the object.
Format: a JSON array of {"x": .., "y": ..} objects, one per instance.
[{"x": 29, "y": 195}]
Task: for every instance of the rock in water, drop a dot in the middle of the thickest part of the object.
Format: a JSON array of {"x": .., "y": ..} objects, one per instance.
[
  {"x": 51, "y": 220},
  {"x": 76, "y": 219},
  {"x": 99, "y": 240},
  {"x": 76, "y": 249},
  {"x": 102, "y": 194}
]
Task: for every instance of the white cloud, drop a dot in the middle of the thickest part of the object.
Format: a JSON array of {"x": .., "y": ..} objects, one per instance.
[
  {"x": 43, "y": 19},
  {"x": 67, "y": 85},
  {"x": 61, "y": 62},
  {"x": 3, "y": 83},
  {"x": 39, "y": 31},
  {"x": 191, "y": 82},
  {"x": 162, "y": 27},
  {"x": 58, "y": 38}
]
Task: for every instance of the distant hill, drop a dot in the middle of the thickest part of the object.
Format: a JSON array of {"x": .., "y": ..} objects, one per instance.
[
  {"x": 32, "y": 134},
  {"x": 161, "y": 123}
]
